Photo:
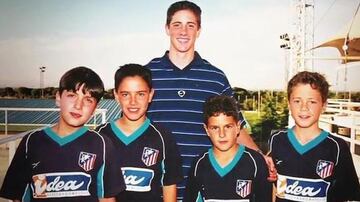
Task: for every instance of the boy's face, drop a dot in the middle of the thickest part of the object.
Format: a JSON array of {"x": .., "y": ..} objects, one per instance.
[
  {"x": 223, "y": 131},
  {"x": 76, "y": 108},
  {"x": 134, "y": 96},
  {"x": 306, "y": 106},
  {"x": 183, "y": 31}
]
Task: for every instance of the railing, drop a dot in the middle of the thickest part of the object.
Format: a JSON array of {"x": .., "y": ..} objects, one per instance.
[
  {"x": 10, "y": 139},
  {"x": 342, "y": 118}
]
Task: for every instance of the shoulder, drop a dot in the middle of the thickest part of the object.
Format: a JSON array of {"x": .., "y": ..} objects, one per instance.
[
  {"x": 102, "y": 127},
  {"x": 199, "y": 162},
  {"x": 254, "y": 155},
  {"x": 277, "y": 135},
  {"x": 338, "y": 142},
  {"x": 155, "y": 63}
]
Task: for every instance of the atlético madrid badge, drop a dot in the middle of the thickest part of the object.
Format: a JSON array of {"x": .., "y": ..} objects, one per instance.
[
  {"x": 87, "y": 160},
  {"x": 324, "y": 168},
  {"x": 243, "y": 187},
  {"x": 149, "y": 156}
]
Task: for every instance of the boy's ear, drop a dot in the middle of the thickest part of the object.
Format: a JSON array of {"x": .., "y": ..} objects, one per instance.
[
  {"x": 324, "y": 107},
  {"x": 151, "y": 94},
  {"x": 115, "y": 95},
  {"x": 57, "y": 99},
  {"x": 206, "y": 130}
]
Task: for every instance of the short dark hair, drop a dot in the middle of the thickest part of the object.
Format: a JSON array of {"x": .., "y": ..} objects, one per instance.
[
  {"x": 183, "y": 5},
  {"x": 220, "y": 104},
  {"x": 316, "y": 81},
  {"x": 73, "y": 79},
  {"x": 131, "y": 70}
]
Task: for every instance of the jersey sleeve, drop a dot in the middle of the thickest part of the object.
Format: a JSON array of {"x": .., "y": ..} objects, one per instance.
[
  {"x": 262, "y": 187},
  {"x": 346, "y": 181},
  {"x": 193, "y": 186},
  {"x": 18, "y": 174},
  {"x": 113, "y": 180},
  {"x": 172, "y": 161}
]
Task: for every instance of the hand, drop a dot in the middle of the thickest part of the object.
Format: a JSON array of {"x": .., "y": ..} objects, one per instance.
[{"x": 271, "y": 167}]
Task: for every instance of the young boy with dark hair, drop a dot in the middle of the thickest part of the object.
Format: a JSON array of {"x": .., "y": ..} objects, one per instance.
[
  {"x": 152, "y": 165},
  {"x": 312, "y": 164},
  {"x": 227, "y": 171},
  {"x": 67, "y": 161}
]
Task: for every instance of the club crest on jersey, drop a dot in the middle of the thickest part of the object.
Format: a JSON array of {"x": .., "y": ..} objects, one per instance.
[
  {"x": 243, "y": 187},
  {"x": 324, "y": 168},
  {"x": 55, "y": 185},
  {"x": 87, "y": 160},
  {"x": 149, "y": 156}
]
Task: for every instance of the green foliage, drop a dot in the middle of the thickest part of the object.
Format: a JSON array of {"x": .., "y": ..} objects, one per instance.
[{"x": 274, "y": 115}]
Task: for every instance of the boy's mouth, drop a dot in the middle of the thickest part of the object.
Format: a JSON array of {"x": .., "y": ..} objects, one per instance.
[{"x": 75, "y": 115}]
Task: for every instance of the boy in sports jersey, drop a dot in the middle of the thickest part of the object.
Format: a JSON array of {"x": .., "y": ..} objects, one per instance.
[
  {"x": 67, "y": 161},
  {"x": 227, "y": 171},
  {"x": 312, "y": 164},
  {"x": 152, "y": 163}
]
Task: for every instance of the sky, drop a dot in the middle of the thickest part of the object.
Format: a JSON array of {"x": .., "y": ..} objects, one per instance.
[{"x": 240, "y": 37}]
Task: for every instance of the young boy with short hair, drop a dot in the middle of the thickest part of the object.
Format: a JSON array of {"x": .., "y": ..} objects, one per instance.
[
  {"x": 67, "y": 161},
  {"x": 227, "y": 171},
  {"x": 312, "y": 164},
  {"x": 152, "y": 163}
]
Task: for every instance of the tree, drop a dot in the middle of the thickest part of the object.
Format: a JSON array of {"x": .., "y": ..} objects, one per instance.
[
  {"x": 274, "y": 116},
  {"x": 24, "y": 92}
]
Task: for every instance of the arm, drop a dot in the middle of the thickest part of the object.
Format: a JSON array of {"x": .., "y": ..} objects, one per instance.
[
  {"x": 112, "y": 199},
  {"x": 262, "y": 187},
  {"x": 17, "y": 175},
  {"x": 169, "y": 193},
  {"x": 245, "y": 139}
]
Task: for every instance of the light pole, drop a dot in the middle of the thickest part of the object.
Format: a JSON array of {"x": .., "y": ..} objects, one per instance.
[{"x": 42, "y": 72}]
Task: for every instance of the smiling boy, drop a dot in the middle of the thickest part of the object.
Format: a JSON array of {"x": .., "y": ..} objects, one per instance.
[
  {"x": 152, "y": 163},
  {"x": 67, "y": 161},
  {"x": 312, "y": 164}
]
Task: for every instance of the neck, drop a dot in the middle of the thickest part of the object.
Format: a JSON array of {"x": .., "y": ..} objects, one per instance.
[
  {"x": 62, "y": 130},
  {"x": 305, "y": 135},
  {"x": 181, "y": 60},
  {"x": 225, "y": 157},
  {"x": 127, "y": 126}
]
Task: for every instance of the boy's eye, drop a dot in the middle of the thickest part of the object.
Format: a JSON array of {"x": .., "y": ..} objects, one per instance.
[
  {"x": 229, "y": 126},
  {"x": 124, "y": 94},
  {"x": 89, "y": 100},
  {"x": 142, "y": 94}
]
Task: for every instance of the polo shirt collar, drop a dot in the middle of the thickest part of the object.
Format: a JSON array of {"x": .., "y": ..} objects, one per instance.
[{"x": 195, "y": 62}]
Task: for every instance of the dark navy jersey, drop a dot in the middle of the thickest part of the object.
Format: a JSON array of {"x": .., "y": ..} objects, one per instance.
[
  {"x": 321, "y": 170},
  {"x": 178, "y": 102},
  {"x": 244, "y": 179},
  {"x": 47, "y": 167},
  {"x": 151, "y": 160}
]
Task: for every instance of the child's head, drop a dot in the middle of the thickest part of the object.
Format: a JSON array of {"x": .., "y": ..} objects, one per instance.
[
  {"x": 314, "y": 79},
  {"x": 307, "y": 95},
  {"x": 183, "y": 5},
  {"x": 133, "y": 90},
  {"x": 73, "y": 79},
  {"x": 80, "y": 90},
  {"x": 221, "y": 122}
]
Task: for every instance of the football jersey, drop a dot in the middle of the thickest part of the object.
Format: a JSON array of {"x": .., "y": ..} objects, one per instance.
[
  {"x": 321, "y": 170},
  {"x": 243, "y": 179},
  {"x": 47, "y": 167},
  {"x": 151, "y": 160}
]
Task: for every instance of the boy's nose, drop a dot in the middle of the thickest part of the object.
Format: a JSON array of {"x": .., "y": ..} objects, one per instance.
[{"x": 78, "y": 103}]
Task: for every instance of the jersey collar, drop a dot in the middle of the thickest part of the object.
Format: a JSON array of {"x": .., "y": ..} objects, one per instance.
[
  {"x": 301, "y": 149},
  {"x": 222, "y": 171},
  {"x": 64, "y": 140},
  {"x": 127, "y": 139}
]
